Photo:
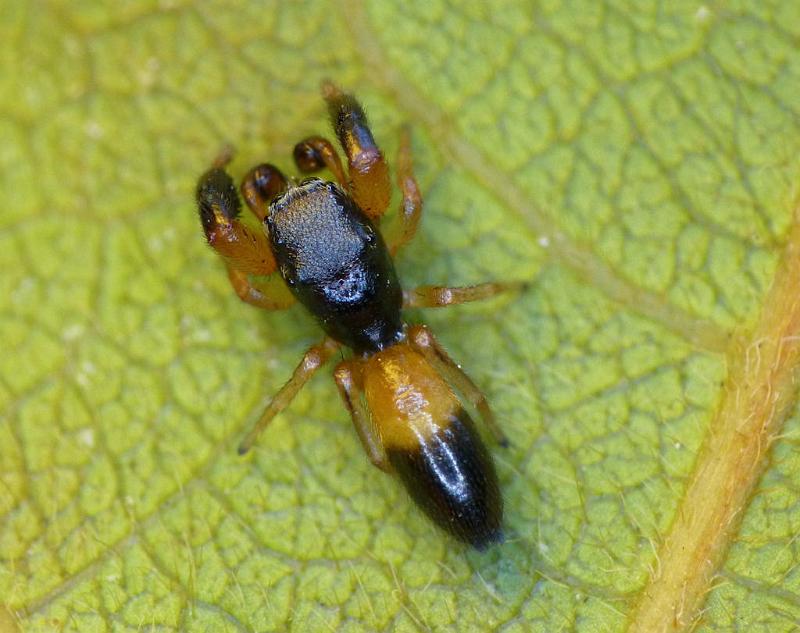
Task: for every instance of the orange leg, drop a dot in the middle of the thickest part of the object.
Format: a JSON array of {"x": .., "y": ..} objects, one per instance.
[
  {"x": 314, "y": 153},
  {"x": 368, "y": 173},
  {"x": 242, "y": 247},
  {"x": 411, "y": 209},
  {"x": 422, "y": 340},
  {"x": 245, "y": 249},
  {"x": 442, "y": 296},
  {"x": 348, "y": 379},
  {"x": 313, "y": 359},
  {"x": 271, "y": 294}
]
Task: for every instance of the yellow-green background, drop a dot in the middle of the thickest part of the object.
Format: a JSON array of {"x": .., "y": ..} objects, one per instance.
[{"x": 636, "y": 161}]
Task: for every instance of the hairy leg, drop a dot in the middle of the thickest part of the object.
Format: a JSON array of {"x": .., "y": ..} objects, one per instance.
[
  {"x": 368, "y": 173},
  {"x": 421, "y": 339},
  {"x": 243, "y": 248},
  {"x": 348, "y": 379},
  {"x": 313, "y": 359},
  {"x": 411, "y": 206},
  {"x": 443, "y": 296},
  {"x": 271, "y": 294}
]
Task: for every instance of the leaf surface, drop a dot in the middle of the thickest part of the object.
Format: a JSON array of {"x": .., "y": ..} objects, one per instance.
[{"x": 636, "y": 162}]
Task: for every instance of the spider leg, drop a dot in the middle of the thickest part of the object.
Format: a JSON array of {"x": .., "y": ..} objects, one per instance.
[
  {"x": 269, "y": 294},
  {"x": 348, "y": 379},
  {"x": 411, "y": 206},
  {"x": 442, "y": 296},
  {"x": 313, "y": 359},
  {"x": 368, "y": 173},
  {"x": 422, "y": 340},
  {"x": 244, "y": 248}
]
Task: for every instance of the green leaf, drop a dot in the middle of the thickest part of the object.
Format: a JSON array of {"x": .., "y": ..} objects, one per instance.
[{"x": 637, "y": 162}]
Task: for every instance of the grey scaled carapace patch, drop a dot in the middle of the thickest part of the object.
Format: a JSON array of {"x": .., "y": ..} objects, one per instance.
[{"x": 309, "y": 221}]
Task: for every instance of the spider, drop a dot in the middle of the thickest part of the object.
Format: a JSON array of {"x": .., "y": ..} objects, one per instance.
[{"x": 399, "y": 384}]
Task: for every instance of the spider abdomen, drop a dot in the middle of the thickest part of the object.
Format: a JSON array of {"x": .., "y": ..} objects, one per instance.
[{"x": 432, "y": 445}]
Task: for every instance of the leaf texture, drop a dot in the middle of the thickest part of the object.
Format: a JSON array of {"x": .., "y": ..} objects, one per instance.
[{"x": 636, "y": 162}]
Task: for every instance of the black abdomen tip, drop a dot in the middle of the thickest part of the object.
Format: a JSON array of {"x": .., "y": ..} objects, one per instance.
[
  {"x": 452, "y": 479},
  {"x": 494, "y": 538}
]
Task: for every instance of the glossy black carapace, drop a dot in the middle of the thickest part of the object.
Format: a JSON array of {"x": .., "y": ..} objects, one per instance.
[{"x": 337, "y": 265}]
